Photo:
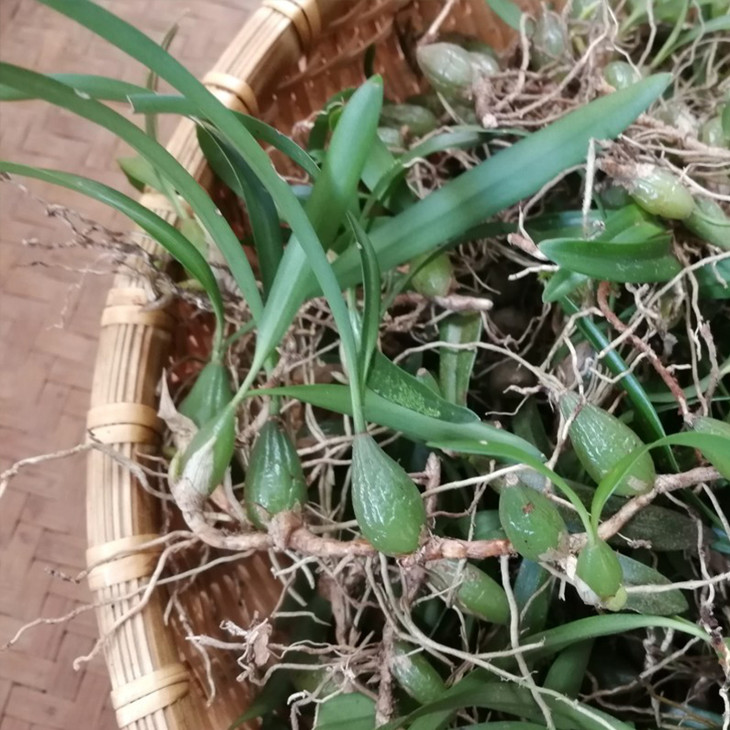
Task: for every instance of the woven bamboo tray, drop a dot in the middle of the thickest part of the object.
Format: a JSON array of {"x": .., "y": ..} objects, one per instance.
[{"x": 286, "y": 61}]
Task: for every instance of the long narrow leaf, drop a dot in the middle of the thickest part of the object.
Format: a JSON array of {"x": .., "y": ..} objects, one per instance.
[
  {"x": 396, "y": 385},
  {"x": 64, "y": 96},
  {"x": 139, "y": 172},
  {"x": 146, "y": 103},
  {"x": 262, "y": 215},
  {"x": 96, "y": 87},
  {"x": 139, "y": 46},
  {"x": 512, "y": 699},
  {"x": 484, "y": 438},
  {"x": 553, "y": 640},
  {"x": 150, "y": 125},
  {"x": 332, "y": 195},
  {"x": 716, "y": 25},
  {"x": 627, "y": 262},
  {"x": 371, "y": 288},
  {"x": 395, "y": 195},
  {"x": 503, "y": 179},
  {"x": 495, "y": 184},
  {"x": 456, "y": 138},
  {"x": 166, "y": 235},
  {"x": 509, "y": 12}
]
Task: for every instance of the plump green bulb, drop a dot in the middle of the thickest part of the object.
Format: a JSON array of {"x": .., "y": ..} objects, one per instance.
[
  {"x": 710, "y": 223},
  {"x": 388, "y": 506},
  {"x": 209, "y": 454},
  {"x": 415, "y": 674},
  {"x": 435, "y": 278},
  {"x": 274, "y": 481},
  {"x": 599, "y": 568},
  {"x": 600, "y": 441},
  {"x": 448, "y": 68},
  {"x": 713, "y": 134},
  {"x": 209, "y": 395},
  {"x": 620, "y": 74},
  {"x": 531, "y": 521},
  {"x": 485, "y": 64},
  {"x": 476, "y": 593},
  {"x": 661, "y": 192},
  {"x": 418, "y": 120},
  {"x": 550, "y": 40}
]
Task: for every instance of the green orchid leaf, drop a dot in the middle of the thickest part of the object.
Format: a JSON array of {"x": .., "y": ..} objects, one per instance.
[
  {"x": 666, "y": 603},
  {"x": 638, "y": 261}
]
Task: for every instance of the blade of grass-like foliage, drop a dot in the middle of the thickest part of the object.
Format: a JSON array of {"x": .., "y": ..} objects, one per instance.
[
  {"x": 150, "y": 126},
  {"x": 456, "y": 365},
  {"x": 396, "y": 385},
  {"x": 326, "y": 119},
  {"x": 165, "y": 234},
  {"x": 332, "y": 195},
  {"x": 624, "y": 219},
  {"x": 636, "y": 232},
  {"x": 508, "y": 725},
  {"x": 146, "y": 103},
  {"x": 464, "y": 137},
  {"x": 507, "y": 697},
  {"x": 371, "y": 289},
  {"x": 593, "y": 627},
  {"x": 502, "y": 180},
  {"x": 139, "y": 172},
  {"x": 564, "y": 224},
  {"x": 666, "y": 603},
  {"x": 636, "y": 262},
  {"x": 203, "y": 103},
  {"x": 550, "y": 641},
  {"x": 568, "y": 670},
  {"x": 493, "y": 185},
  {"x": 138, "y": 45},
  {"x": 64, "y": 96},
  {"x": 395, "y": 196},
  {"x": 716, "y": 25},
  {"x": 668, "y": 44},
  {"x": 262, "y": 214},
  {"x": 96, "y": 87},
  {"x": 349, "y": 711},
  {"x": 606, "y": 488},
  {"x": 508, "y": 12},
  {"x": 562, "y": 284},
  {"x": 150, "y": 120},
  {"x": 553, "y": 640},
  {"x": 484, "y": 438},
  {"x": 647, "y": 420}
]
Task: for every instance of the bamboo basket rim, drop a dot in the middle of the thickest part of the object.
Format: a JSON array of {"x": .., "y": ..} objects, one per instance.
[{"x": 151, "y": 687}]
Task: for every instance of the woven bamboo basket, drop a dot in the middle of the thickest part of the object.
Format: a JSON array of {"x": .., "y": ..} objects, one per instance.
[{"x": 286, "y": 61}]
